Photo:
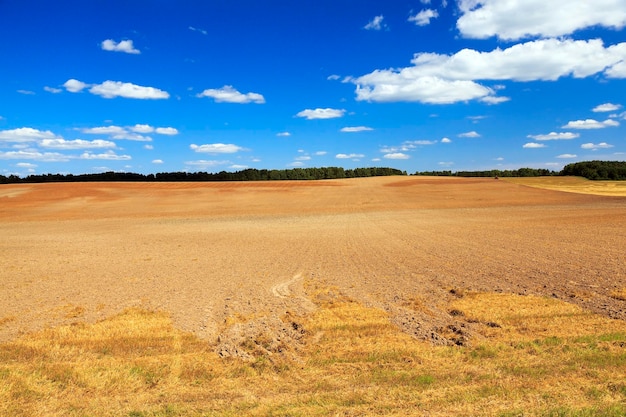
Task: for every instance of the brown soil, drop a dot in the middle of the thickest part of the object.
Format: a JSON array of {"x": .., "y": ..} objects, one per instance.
[{"x": 211, "y": 252}]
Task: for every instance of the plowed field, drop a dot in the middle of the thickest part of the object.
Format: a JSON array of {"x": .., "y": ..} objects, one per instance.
[{"x": 207, "y": 251}]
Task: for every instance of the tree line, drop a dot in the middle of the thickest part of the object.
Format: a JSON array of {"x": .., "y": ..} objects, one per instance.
[
  {"x": 593, "y": 170},
  {"x": 597, "y": 170},
  {"x": 250, "y": 174}
]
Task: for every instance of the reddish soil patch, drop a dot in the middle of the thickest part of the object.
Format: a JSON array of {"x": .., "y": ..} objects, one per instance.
[{"x": 205, "y": 251}]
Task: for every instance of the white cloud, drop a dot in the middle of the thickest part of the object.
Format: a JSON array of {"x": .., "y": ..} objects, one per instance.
[
  {"x": 76, "y": 144},
  {"x": 148, "y": 147},
  {"x": 594, "y": 146},
  {"x": 157, "y": 161},
  {"x": 446, "y": 140},
  {"x": 567, "y": 156},
  {"x": 423, "y": 18},
  {"x": 108, "y": 155},
  {"x": 590, "y": 124},
  {"x": 283, "y": 134},
  {"x": 139, "y": 128},
  {"x": 606, "y": 107},
  {"x": 303, "y": 158},
  {"x": 443, "y": 79},
  {"x": 472, "y": 134},
  {"x": 296, "y": 164},
  {"x": 216, "y": 148},
  {"x": 333, "y": 77},
  {"x": 52, "y": 90},
  {"x": 26, "y": 134},
  {"x": 320, "y": 153},
  {"x": 112, "y": 89},
  {"x": 396, "y": 155},
  {"x": 349, "y": 156},
  {"x": 318, "y": 113},
  {"x": 355, "y": 129},
  {"x": 203, "y": 164},
  {"x": 533, "y": 145},
  {"x": 105, "y": 130},
  {"x": 26, "y": 92},
  {"x": 446, "y": 164},
  {"x": 375, "y": 24},
  {"x": 123, "y": 46},
  {"x": 169, "y": 131},
  {"x": 26, "y": 165},
  {"x": 35, "y": 155},
  {"x": 555, "y": 136},
  {"x": 204, "y": 32},
  {"x": 516, "y": 19},
  {"x": 74, "y": 86},
  {"x": 228, "y": 94}
]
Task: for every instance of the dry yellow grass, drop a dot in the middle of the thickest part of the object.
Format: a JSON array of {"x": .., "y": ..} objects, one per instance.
[
  {"x": 574, "y": 185},
  {"x": 531, "y": 356}
]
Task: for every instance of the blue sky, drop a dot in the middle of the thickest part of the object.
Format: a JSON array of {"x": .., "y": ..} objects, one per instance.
[{"x": 160, "y": 85}]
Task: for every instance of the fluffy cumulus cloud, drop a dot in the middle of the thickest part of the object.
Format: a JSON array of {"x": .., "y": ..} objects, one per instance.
[
  {"x": 76, "y": 144},
  {"x": 517, "y": 19},
  {"x": 74, "y": 86},
  {"x": 606, "y": 107},
  {"x": 446, "y": 140},
  {"x": 555, "y": 136},
  {"x": 228, "y": 94},
  {"x": 596, "y": 146},
  {"x": 443, "y": 79},
  {"x": 25, "y": 134},
  {"x": 137, "y": 132},
  {"x": 533, "y": 145},
  {"x": 35, "y": 155},
  {"x": 349, "y": 156},
  {"x": 107, "y": 156},
  {"x": 318, "y": 113},
  {"x": 216, "y": 148},
  {"x": 353, "y": 129},
  {"x": 112, "y": 89},
  {"x": 591, "y": 124},
  {"x": 472, "y": 134},
  {"x": 375, "y": 24},
  {"x": 125, "y": 46},
  {"x": 423, "y": 18},
  {"x": 396, "y": 155}
]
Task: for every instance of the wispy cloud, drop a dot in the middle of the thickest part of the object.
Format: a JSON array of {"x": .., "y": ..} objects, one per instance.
[
  {"x": 228, "y": 94},
  {"x": 349, "y": 156},
  {"x": 353, "y": 129},
  {"x": 396, "y": 155},
  {"x": 424, "y": 17},
  {"x": 472, "y": 134},
  {"x": 375, "y": 24},
  {"x": 555, "y": 136},
  {"x": 216, "y": 148},
  {"x": 318, "y": 113}
]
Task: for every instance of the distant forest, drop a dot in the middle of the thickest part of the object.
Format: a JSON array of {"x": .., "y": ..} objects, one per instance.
[{"x": 593, "y": 170}]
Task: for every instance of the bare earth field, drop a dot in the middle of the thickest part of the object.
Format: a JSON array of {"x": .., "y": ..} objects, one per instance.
[
  {"x": 204, "y": 252},
  {"x": 380, "y": 296}
]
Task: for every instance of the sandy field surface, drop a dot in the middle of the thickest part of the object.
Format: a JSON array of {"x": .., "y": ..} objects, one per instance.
[{"x": 208, "y": 251}]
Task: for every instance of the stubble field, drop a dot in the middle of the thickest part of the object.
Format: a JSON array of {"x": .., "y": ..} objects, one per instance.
[{"x": 248, "y": 271}]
